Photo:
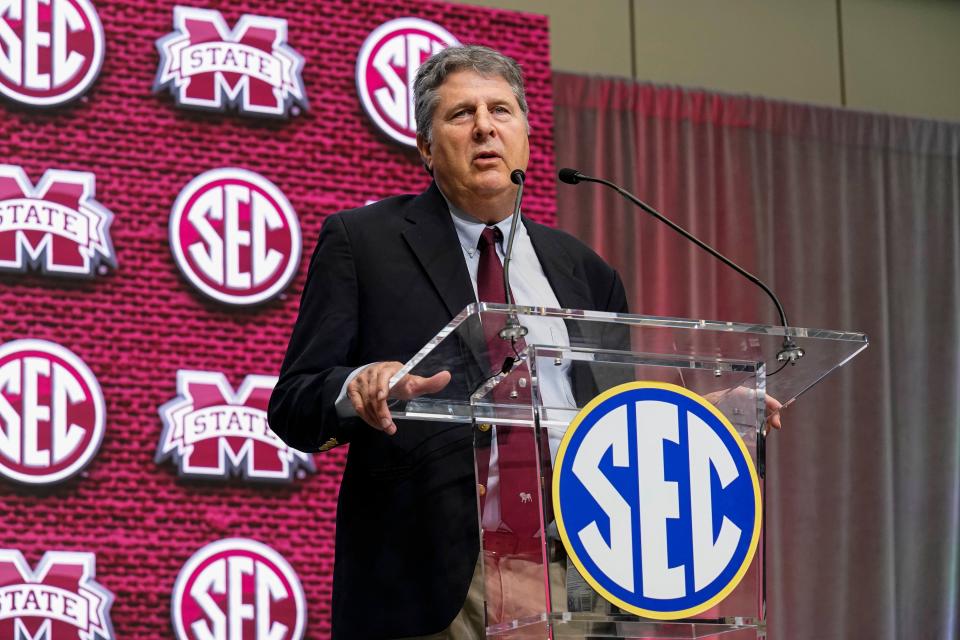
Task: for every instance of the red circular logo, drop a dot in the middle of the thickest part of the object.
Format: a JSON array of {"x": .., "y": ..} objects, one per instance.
[
  {"x": 386, "y": 68},
  {"x": 238, "y": 588},
  {"x": 50, "y": 50},
  {"x": 235, "y": 236},
  {"x": 51, "y": 412}
]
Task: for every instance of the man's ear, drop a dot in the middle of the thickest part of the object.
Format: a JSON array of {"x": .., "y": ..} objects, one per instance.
[{"x": 426, "y": 156}]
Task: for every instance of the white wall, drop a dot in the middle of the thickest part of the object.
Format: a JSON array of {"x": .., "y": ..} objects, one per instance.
[{"x": 896, "y": 56}]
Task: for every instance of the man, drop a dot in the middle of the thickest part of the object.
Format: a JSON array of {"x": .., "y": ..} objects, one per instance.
[{"x": 383, "y": 280}]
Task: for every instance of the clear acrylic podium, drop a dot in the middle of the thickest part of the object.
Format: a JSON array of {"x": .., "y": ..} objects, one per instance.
[{"x": 532, "y": 589}]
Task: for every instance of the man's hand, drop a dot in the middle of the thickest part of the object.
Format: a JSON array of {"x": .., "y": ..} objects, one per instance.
[
  {"x": 368, "y": 392},
  {"x": 727, "y": 398},
  {"x": 773, "y": 405}
]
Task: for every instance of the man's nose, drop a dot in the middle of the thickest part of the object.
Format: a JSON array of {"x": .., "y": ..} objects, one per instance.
[{"x": 483, "y": 125}]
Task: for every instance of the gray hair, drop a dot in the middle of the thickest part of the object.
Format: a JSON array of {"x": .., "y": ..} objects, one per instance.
[{"x": 434, "y": 71}]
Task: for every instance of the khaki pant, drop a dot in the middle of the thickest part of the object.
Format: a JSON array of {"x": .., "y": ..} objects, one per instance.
[{"x": 515, "y": 589}]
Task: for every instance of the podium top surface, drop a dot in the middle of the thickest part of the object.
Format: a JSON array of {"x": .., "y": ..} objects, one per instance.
[{"x": 624, "y": 345}]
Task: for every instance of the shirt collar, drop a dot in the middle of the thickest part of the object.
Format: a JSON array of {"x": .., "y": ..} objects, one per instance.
[{"x": 469, "y": 228}]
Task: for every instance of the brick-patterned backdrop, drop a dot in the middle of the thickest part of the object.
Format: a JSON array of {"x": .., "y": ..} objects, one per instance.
[{"x": 138, "y": 324}]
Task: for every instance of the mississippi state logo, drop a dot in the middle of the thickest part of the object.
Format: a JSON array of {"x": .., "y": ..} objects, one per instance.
[
  {"x": 51, "y": 50},
  {"x": 657, "y": 500},
  {"x": 235, "y": 236},
  {"x": 61, "y": 600},
  {"x": 51, "y": 412},
  {"x": 238, "y": 588},
  {"x": 207, "y": 66},
  {"x": 56, "y": 227},
  {"x": 386, "y": 68},
  {"x": 212, "y": 432}
]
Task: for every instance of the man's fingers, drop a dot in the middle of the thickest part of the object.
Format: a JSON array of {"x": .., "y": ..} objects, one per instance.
[
  {"x": 364, "y": 399},
  {"x": 362, "y": 402},
  {"x": 773, "y": 407},
  {"x": 356, "y": 400},
  {"x": 384, "y": 373},
  {"x": 411, "y": 386},
  {"x": 368, "y": 393},
  {"x": 380, "y": 409},
  {"x": 774, "y": 420},
  {"x": 370, "y": 403},
  {"x": 434, "y": 383},
  {"x": 384, "y": 418},
  {"x": 371, "y": 387},
  {"x": 383, "y": 381}
]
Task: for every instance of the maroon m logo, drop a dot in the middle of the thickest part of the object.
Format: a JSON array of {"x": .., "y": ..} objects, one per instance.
[{"x": 208, "y": 66}]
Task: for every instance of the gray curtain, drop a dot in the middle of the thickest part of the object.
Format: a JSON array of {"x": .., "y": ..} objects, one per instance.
[{"x": 854, "y": 219}]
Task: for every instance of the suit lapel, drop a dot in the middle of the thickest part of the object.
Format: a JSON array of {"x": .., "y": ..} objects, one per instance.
[
  {"x": 563, "y": 273},
  {"x": 434, "y": 242}
]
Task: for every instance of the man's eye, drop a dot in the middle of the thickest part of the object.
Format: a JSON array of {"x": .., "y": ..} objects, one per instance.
[{"x": 501, "y": 109}]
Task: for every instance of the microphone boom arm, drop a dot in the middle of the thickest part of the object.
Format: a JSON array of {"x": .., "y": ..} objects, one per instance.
[{"x": 791, "y": 352}]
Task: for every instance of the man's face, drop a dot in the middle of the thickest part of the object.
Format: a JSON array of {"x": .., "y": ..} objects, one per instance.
[{"x": 479, "y": 137}]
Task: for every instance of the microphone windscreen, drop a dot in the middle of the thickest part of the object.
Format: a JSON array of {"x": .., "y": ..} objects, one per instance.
[
  {"x": 518, "y": 176},
  {"x": 568, "y": 175}
]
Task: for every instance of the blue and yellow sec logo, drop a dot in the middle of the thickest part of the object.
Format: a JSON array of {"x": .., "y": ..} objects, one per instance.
[{"x": 657, "y": 500}]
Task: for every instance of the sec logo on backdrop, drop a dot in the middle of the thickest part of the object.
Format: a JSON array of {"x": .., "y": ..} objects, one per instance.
[
  {"x": 235, "y": 236},
  {"x": 386, "y": 67},
  {"x": 50, "y": 50},
  {"x": 51, "y": 412},
  {"x": 238, "y": 588},
  {"x": 657, "y": 500}
]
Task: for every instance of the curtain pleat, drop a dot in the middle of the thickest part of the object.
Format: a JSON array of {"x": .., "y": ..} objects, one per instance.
[{"x": 854, "y": 220}]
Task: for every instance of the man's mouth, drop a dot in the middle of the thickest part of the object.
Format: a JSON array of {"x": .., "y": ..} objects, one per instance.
[{"x": 486, "y": 155}]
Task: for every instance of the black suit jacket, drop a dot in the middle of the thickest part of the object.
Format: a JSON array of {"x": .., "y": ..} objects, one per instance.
[{"x": 383, "y": 280}]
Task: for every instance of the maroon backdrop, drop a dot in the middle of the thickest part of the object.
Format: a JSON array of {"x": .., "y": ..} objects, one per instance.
[{"x": 137, "y": 325}]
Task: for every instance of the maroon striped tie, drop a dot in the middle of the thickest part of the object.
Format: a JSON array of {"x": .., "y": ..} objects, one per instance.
[{"x": 519, "y": 481}]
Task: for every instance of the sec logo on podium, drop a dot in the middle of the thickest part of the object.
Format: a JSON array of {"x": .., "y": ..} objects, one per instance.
[{"x": 657, "y": 500}]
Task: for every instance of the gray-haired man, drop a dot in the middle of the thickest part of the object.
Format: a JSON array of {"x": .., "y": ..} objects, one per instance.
[{"x": 383, "y": 280}]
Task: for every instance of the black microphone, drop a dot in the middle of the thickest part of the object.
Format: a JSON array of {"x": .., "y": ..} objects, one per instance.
[
  {"x": 790, "y": 352},
  {"x": 570, "y": 176},
  {"x": 512, "y": 329}
]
